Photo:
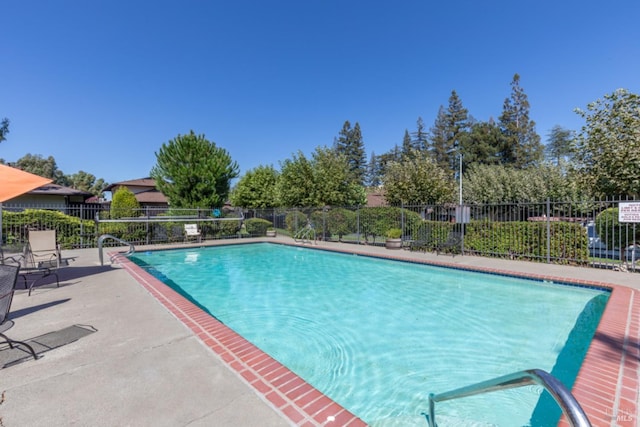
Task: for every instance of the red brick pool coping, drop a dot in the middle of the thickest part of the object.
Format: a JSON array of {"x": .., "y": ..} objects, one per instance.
[{"x": 606, "y": 386}]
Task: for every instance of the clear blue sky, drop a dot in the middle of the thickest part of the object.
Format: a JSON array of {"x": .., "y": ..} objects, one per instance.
[{"x": 101, "y": 84}]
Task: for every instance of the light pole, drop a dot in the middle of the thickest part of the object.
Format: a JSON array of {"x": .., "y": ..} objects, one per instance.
[{"x": 460, "y": 178}]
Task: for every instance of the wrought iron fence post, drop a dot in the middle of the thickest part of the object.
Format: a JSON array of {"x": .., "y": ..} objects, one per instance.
[
  {"x": 358, "y": 223},
  {"x": 548, "y": 231},
  {"x": 81, "y": 226}
]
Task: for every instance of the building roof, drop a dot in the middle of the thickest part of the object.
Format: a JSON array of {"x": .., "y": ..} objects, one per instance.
[
  {"x": 376, "y": 199},
  {"x": 151, "y": 196},
  {"x": 59, "y": 190},
  {"x": 147, "y": 196},
  {"x": 140, "y": 182}
]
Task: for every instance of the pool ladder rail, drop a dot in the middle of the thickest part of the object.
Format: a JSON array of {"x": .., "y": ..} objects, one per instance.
[
  {"x": 306, "y": 234},
  {"x": 104, "y": 237},
  {"x": 563, "y": 397}
]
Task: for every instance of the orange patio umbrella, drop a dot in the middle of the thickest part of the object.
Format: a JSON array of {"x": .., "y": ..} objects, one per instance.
[{"x": 14, "y": 182}]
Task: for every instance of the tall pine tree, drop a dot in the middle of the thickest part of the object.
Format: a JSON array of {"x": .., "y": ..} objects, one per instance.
[
  {"x": 439, "y": 140},
  {"x": 374, "y": 175},
  {"x": 420, "y": 138},
  {"x": 407, "y": 145},
  {"x": 448, "y": 132},
  {"x": 522, "y": 145},
  {"x": 350, "y": 144}
]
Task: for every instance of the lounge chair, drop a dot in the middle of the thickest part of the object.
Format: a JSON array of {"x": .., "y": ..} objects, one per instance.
[
  {"x": 8, "y": 278},
  {"x": 42, "y": 258},
  {"x": 452, "y": 244},
  {"x": 43, "y": 249},
  {"x": 191, "y": 231}
]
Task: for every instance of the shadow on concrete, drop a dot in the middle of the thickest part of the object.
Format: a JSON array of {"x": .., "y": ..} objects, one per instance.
[
  {"x": 67, "y": 276},
  {"x": 28, "y": 310}
]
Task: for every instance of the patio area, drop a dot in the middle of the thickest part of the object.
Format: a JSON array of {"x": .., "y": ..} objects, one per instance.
[{"x": 143, "y": 366}]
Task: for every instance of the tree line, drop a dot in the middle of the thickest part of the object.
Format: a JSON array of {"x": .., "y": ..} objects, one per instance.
[{"x": 499, "y": 161}]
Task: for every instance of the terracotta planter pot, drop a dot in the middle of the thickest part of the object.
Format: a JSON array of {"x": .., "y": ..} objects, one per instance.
[{"x": 393, "y": 243}]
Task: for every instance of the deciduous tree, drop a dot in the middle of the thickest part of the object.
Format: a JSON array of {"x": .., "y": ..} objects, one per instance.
[
  {"x": 419, "y": 180},
  {"x": 86, "y": 182},
  {"x": 38, "y": 165},
  {"x": 506, "y": 184},
  {"x": 325, "y": 179},
  {"x": 256, "y": 188},
  {"x": 608, "y": 145}
]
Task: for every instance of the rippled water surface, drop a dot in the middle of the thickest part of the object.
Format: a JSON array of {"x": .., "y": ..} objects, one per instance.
[{"x": 378, "y": 336}]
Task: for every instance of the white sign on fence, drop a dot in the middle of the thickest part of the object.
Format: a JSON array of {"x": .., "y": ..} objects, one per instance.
[{"x": 629, "y": 212}]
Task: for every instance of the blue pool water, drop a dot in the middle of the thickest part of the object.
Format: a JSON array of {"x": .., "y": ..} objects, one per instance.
[{"x": 377, "y": 336}]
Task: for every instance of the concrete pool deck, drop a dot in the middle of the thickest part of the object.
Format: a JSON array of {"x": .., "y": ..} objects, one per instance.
[{"x": 157, "y": 360}]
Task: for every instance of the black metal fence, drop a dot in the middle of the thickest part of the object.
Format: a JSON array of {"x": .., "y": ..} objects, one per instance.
[{"x": 580, "y": 233}]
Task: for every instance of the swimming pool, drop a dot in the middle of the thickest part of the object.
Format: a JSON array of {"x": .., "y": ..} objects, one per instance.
[{"x": 377, "y": 336}]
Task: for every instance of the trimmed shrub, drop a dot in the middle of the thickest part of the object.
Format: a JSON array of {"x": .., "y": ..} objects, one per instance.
[
  {"x": 124, "y": 204},
  {"x": 257, "y": 226},
  {"x": 295, "y": 220}
]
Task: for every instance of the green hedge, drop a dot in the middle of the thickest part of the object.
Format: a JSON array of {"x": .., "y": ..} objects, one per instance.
[
  {"x": 257, "y": 226},
  {"x": 528, "y": 240},
  {"x": 71, "y": 231},
  {"x": 375, "y": 222}
]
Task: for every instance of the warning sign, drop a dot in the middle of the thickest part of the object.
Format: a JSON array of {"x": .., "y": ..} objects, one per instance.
[{"x": 629, "y": 212}]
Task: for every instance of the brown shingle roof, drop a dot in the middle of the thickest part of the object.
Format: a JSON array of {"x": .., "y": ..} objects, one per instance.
[
  {"x": 140, "y": 182},
  {"x": 59, "y": 190},
  {"x": 151, "y": 196}
]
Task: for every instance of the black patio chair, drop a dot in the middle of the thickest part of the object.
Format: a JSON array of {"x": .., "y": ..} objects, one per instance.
[
  {"x": 8, "y": 278},
  {"x": 422, "y": 242},
  {"x": 451, "y": 245}
]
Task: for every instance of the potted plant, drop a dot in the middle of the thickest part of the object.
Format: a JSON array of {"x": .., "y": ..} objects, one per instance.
[
  {"x": 271, "y": 232},
  {"x": 394, "y": 240}
]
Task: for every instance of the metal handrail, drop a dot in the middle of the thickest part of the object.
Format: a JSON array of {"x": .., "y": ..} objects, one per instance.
[
  {"x": 304, "y": 234},
  {"x": 102, "y": 238},
  {"x": 563, "y": 397}
]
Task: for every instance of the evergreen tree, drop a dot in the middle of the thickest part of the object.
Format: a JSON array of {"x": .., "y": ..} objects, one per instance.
[
  {"x": 559, "y": 145},
  {"x": 420, "y": 138},
  {"x": 4, "y": 129},
  {"x": 374, "y": 175},
  {"x": 457, "y": 127},
  {"x": 481, "y": 145},
  {"x": 448, "y": 132},
  {"x": 193, "y": 172},
  {"x": 522, "y": 145},
  {"x": 439, "y": 140},
  {"x": 407, "y": 145},
  {"x": 350, "y": 144}
]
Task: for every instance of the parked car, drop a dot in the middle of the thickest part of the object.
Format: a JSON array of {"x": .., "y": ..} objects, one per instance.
[{"x": 598, "y": 248}]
